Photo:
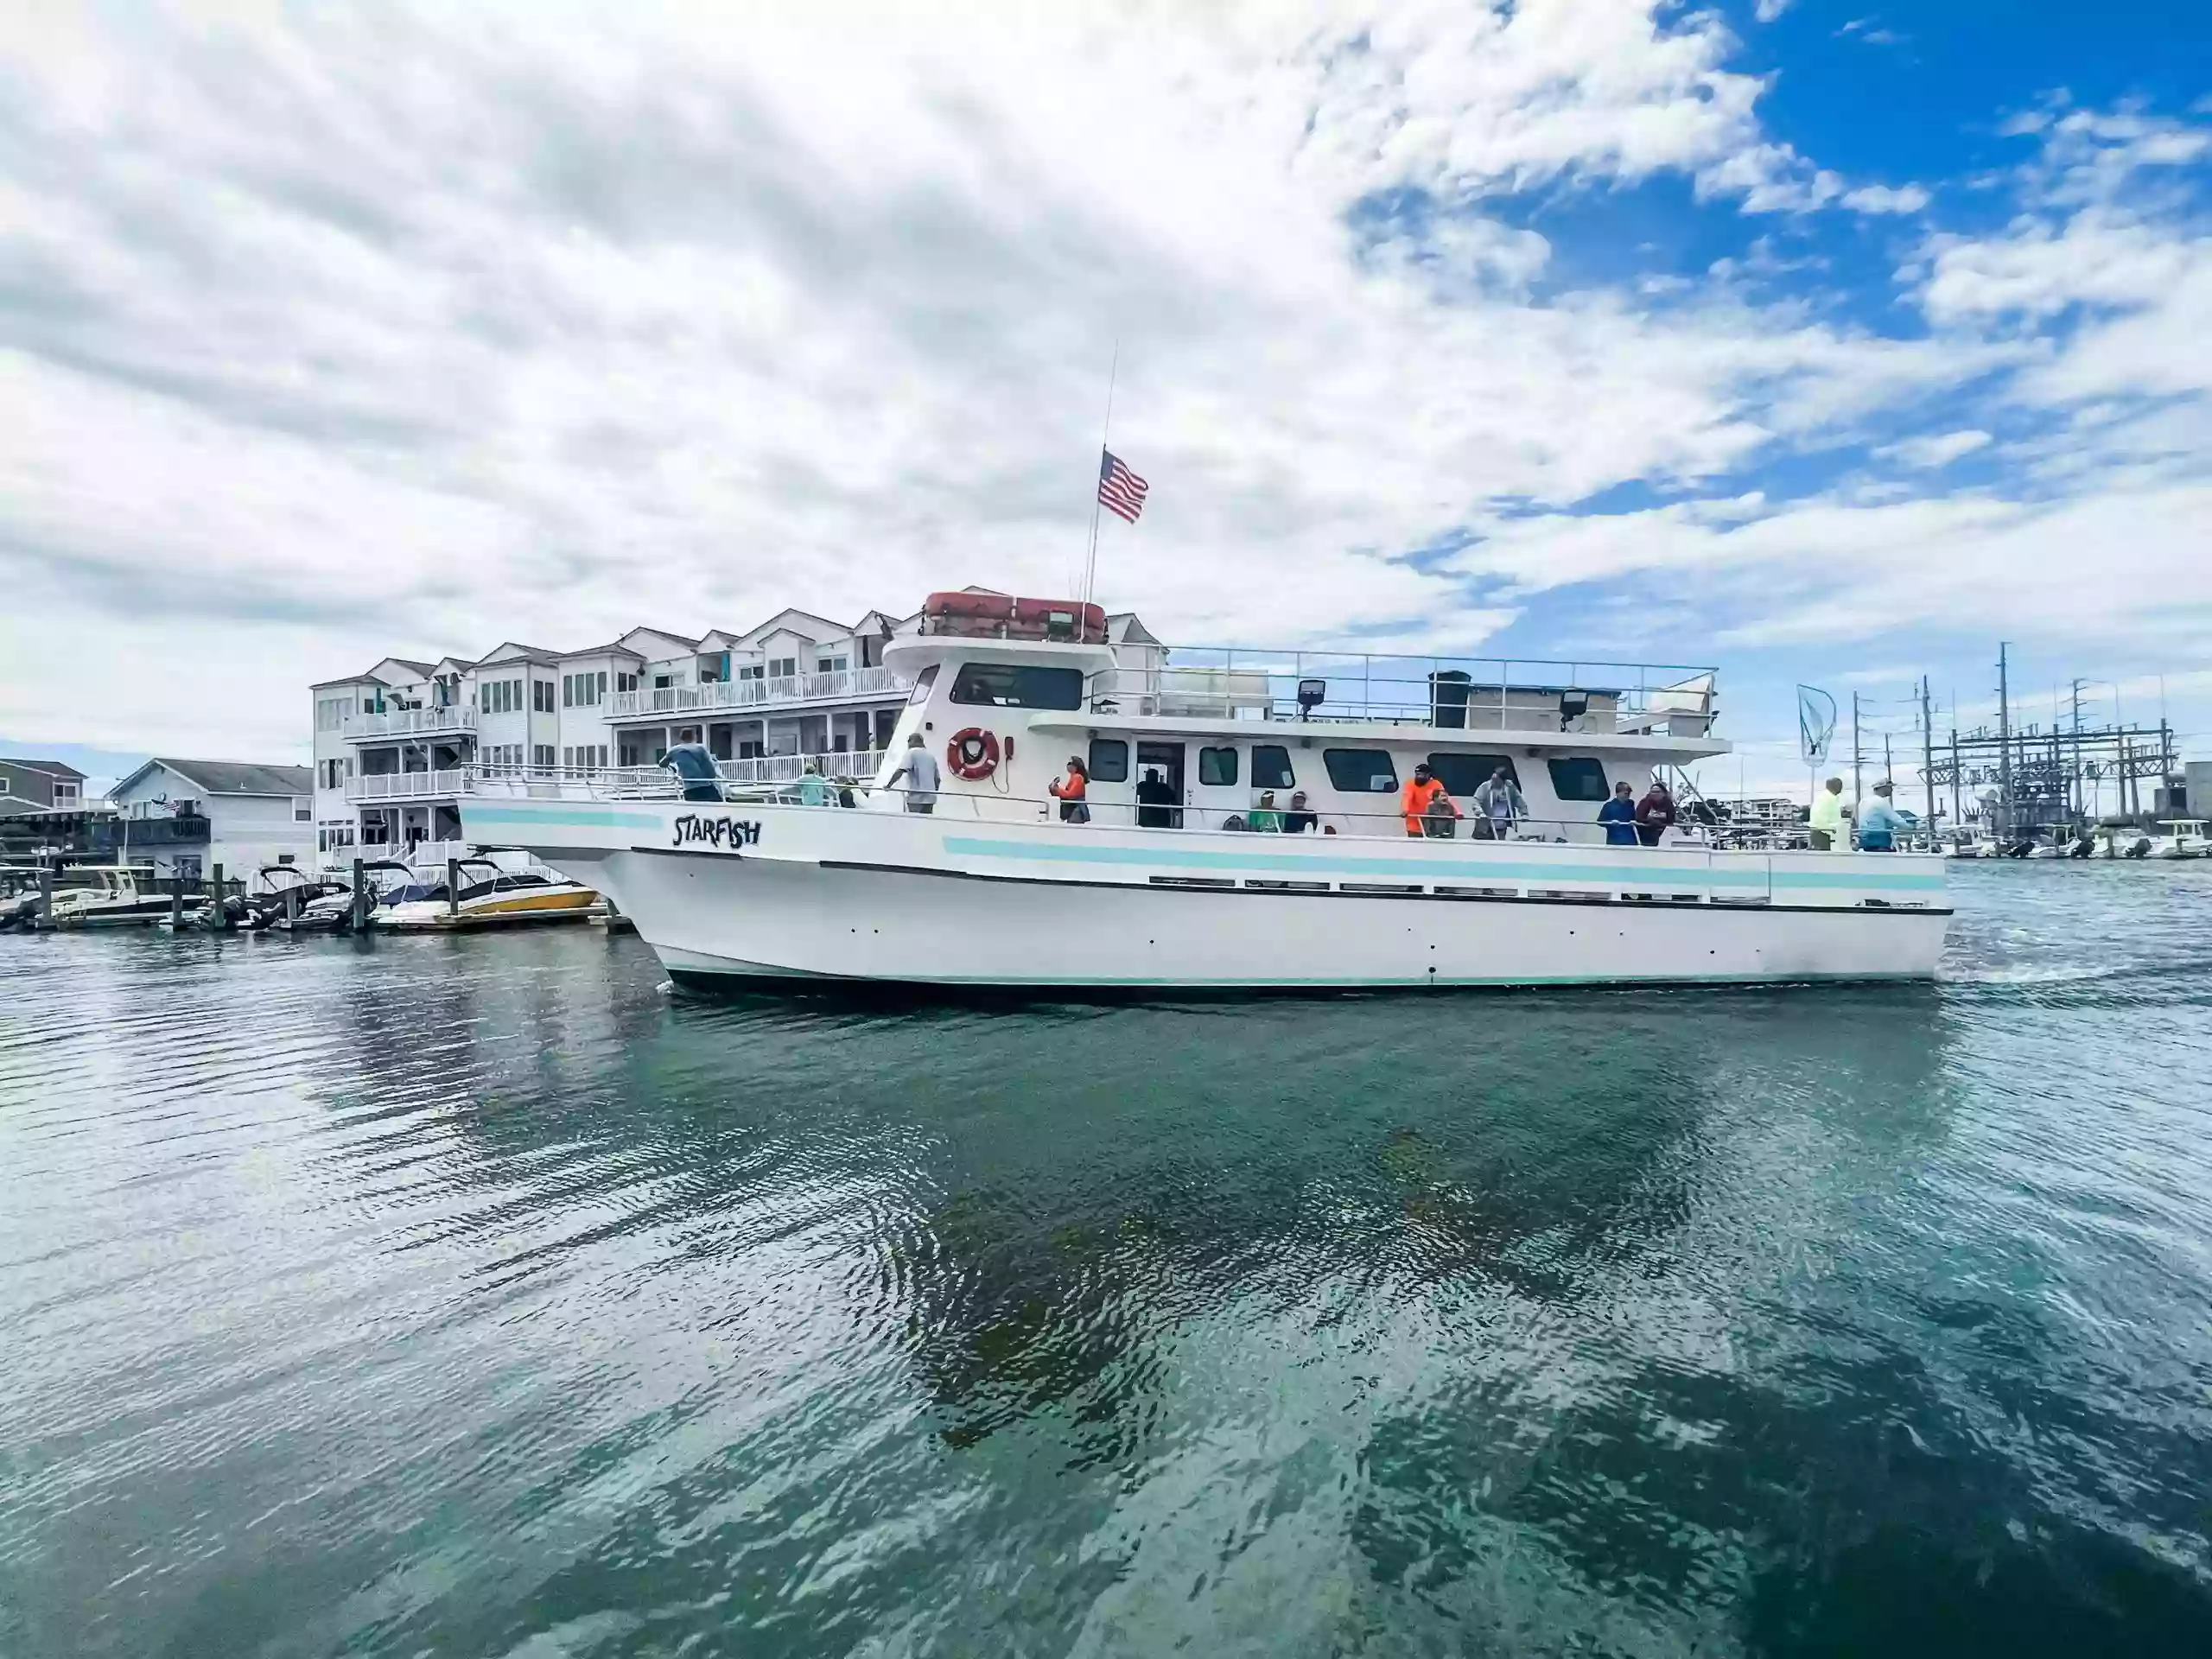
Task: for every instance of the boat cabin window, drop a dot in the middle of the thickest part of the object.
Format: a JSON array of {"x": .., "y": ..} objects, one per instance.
[
  {"x": 923, "y": 682},
  {"x": 1579, "y": 777},
  {"x": 1361, "y": 771},
  {"x": 1217, "y": 765},
  {"x": 1017, "y": 685},
  {"x": 1463, "y": 774},
  {"x": 1109, "y": 760},
  {"x": 1271, "y": 767}
]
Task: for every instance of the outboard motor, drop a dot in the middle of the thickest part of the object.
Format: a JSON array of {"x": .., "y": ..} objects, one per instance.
[
  {"x": 695, "y": 769},
  {"x": 2141, "y": 848},
  {"x": 2083, "y": 848}
]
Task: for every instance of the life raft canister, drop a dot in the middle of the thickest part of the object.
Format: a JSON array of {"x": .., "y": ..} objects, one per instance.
[{"x": 973, "y": 753}]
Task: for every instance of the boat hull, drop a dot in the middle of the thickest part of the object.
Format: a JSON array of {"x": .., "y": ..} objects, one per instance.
[{"x": 871, "y": 896}]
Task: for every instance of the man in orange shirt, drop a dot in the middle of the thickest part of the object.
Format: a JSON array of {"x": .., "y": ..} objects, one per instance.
[{"x": 1423, "y": 792}]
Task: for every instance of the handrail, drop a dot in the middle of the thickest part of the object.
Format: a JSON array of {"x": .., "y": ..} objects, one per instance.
[{"x": 739, "y": 695}]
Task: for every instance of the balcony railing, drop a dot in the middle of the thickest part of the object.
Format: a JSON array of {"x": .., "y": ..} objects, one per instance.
[
  {"x": 757, "y": 695},
  {"x": 454, "y": 718},
  {"x": 406, "y": 787},
  {"x": 858, "y": 766}
]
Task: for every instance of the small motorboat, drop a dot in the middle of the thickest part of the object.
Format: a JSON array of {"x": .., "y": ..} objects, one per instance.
[
  {"x": 279, "y": 890},
  {"x": 486, "y": 895},
  {"x": 2187, "y": 840},
  {"x": 333, "y": 912},
  {"x": 112, "y": 897}
]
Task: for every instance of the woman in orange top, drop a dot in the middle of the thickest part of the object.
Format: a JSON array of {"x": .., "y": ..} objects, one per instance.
[
  {"x": 1071, "y": 791},
  {"x": 1422, "y": 792}
]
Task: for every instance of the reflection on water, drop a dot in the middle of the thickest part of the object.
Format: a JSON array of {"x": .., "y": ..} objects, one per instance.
[{"x": 478, "y": 1295}]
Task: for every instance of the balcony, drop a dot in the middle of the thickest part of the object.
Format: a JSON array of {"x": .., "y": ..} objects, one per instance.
[
  {"x": 455, "y": 720},
  {"x": 759, "y": 696},
  {"x": 405, "y": 786}
]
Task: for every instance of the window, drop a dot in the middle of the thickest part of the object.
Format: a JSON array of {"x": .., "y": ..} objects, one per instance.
[
  {"x": 626, "y": 681},
  {"x": 64, "y": 794},
  {"x": 782, "y": 668},
  {"x": 4, "y": 784},
  {"x": 830, "y": 665},
  {"x": 632, "y": 755},
  {"x": 302, "y": 811},
  {"x": 1217, "y": 765},
  {"x": 1579, "y": 777},
  {"x": 1109, "y": 760},
  {"x": 541, "y": 756},
  {"x": 923, "y": 682},
  {"x": 1361, "y": 771},
  {"x": 662, "y": 681},
  {"x": 1009, "y": 685},
  {"x": 1463, "y": 774},
  {"x": 541, "y": 697},
  {"x": 754, "y": 671},
  {"x": 330, "y": 713},
  {"x": 1271, "y": 767}
]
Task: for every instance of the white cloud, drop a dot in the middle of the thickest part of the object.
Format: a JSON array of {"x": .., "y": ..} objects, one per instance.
[
  {"x": 1768, "y": 10},
  {"x": 1885, "y": 199},
  {"x": 1936, "y": 450}
]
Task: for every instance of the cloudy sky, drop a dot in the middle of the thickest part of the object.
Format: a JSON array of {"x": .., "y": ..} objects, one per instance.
[{"x": 1819, "y": 342}]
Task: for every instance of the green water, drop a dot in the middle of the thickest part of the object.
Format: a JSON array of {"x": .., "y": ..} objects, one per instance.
[{"x": 478, "y": 1296}]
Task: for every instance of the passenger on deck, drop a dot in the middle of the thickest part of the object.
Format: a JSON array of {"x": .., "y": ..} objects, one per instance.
[
  {"x": 1422, "y": 792},
  {"x": 1830, "y": 833},
  {"x": 1156, "y": 801},
  {"x": 1298, "y": 821},
  {"x": 813, "y": 787},
  {"x": 1501, "y": 804},
  {"x": 1618, "y": 815},
  {"x": 1880, "y": 822},
  {"x": 919, "y": 770},
  {"x": 1071, "y": 791},
  {"x": 1654, "y": 814},
  {"x": 1264, "y": 818}
]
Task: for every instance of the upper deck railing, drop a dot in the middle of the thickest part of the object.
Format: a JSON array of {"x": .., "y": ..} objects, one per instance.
[
  {"x": 1445, "y": 693},
  {"x": 757, "y": 696},
  {"x": 450, "y": 719}
]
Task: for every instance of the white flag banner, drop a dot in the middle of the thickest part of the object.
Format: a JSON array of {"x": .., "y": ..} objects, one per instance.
[{"x": 1815, "y": 723}]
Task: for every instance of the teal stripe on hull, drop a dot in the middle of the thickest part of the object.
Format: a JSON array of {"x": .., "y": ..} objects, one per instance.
[
  {"x": 1430, "y": 869},
  {"x": 560, "y": 817}
]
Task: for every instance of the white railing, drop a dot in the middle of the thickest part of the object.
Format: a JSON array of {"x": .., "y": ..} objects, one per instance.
[
  {"x": 857, "y": 764},
  {"x": 456, "y": 718},
  {"x": 406, "y": 785},
  {"x": 841, "y": 684},
  {"x": 1463, "y": 694}
]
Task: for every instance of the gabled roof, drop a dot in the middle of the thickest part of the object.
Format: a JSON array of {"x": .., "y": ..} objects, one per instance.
[
  {"x": 508, "y": 651},
  {"x": 229, "y": 777},
  {"x": 1124, "y": 628},
  {"x": 682, "y": 640},
  {"x": 797, "y": 621},
  {"x": 611, "y": 648},
  {"x": 52, "y": 768}
]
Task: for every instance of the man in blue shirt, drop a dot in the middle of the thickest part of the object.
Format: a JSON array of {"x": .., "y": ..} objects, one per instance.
[
  {"x": 1879, "y": 824},
  {"x": 1618, "y": 815}
]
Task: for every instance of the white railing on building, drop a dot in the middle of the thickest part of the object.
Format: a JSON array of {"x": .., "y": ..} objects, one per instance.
[
  {"x": 853, "y": 765},
  {"x": 405, "y": 785},
  {"x": 741, "y": 695},
  {"x": 454, "y": 720},
  {"x": 860, "y": 764}
]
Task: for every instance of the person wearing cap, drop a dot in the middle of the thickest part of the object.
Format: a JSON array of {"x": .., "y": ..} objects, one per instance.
[
  {"x": 1298, "y": 821},
  {"x": 1830, "y": 832},
  {"x": 813, "y": 788},
  {"x": 1618, "y": 815},
  {"x": 1880, "y": 822},
  {"x": 1423, "y": 792},
  {"x": 1264, "y": 818},
  {"x": 1071, "y": 791}
]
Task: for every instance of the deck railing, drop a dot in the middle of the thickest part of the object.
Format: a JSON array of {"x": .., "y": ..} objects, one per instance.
[
  {"x": 406, "y": 785},
  {"x": 747, "y": 695},
  {"x": 453, "y": 719}
]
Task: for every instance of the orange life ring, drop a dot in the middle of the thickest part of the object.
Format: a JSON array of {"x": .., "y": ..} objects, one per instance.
[{"x": 973, "y": 753}]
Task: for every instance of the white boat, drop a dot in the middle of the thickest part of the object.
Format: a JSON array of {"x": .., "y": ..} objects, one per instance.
[
  {"x": 485, "y": 894},
  {"x": 993, "y": 887},
  {"x": 111, "y": 897},
  {"x": 2186, "y": 839}
]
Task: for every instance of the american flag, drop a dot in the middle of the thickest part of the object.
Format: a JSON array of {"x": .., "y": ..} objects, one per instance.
[{"x": 1120, "y": 490}]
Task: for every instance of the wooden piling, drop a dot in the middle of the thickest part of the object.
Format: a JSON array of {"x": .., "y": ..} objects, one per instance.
[
  {"x": 453, "y": 887},
  {"x": 46, "y": 896},
  {"x": 360, "y": 898},
  {"x": 218, "y": 921},
  {"x": 176, "y": 902}
]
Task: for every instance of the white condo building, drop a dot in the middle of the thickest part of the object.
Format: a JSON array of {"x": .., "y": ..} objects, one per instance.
[{"x": 393, "y": 745}]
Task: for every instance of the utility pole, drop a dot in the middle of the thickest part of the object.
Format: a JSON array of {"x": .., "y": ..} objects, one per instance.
[
  {"x": 1927, "y": 757},
  {"x": 1957, "y": 816},
  {"x": 1858, "y": 761},
  {"x": 2004, "y": 746},
  {"x": 2077, "y": 780}
]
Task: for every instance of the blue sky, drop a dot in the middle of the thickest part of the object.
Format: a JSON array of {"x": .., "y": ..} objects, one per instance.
[{"x": 1813, "y": 340}]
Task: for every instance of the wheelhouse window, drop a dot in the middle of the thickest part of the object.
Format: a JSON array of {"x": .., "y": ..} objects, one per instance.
[
  {"x": 923, "y": 682},
  {"x": 1017, "y": 685},
  {"x": 1217, "y": 765},
  {"x": 1109, "y": 760},
  {"x": 1361, "y": 771},
  {"x": 1271, "y": 767},
  {"x": 1579, "y": 777},
  {"x": 1463, "y": 774}
]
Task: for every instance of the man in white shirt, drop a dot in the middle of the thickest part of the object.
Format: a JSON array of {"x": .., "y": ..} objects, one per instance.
[{"x": 919, "y": 770}]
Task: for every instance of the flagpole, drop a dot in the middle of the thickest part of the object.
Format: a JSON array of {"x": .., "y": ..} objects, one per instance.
[{"x": 1090, "y": 561}]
